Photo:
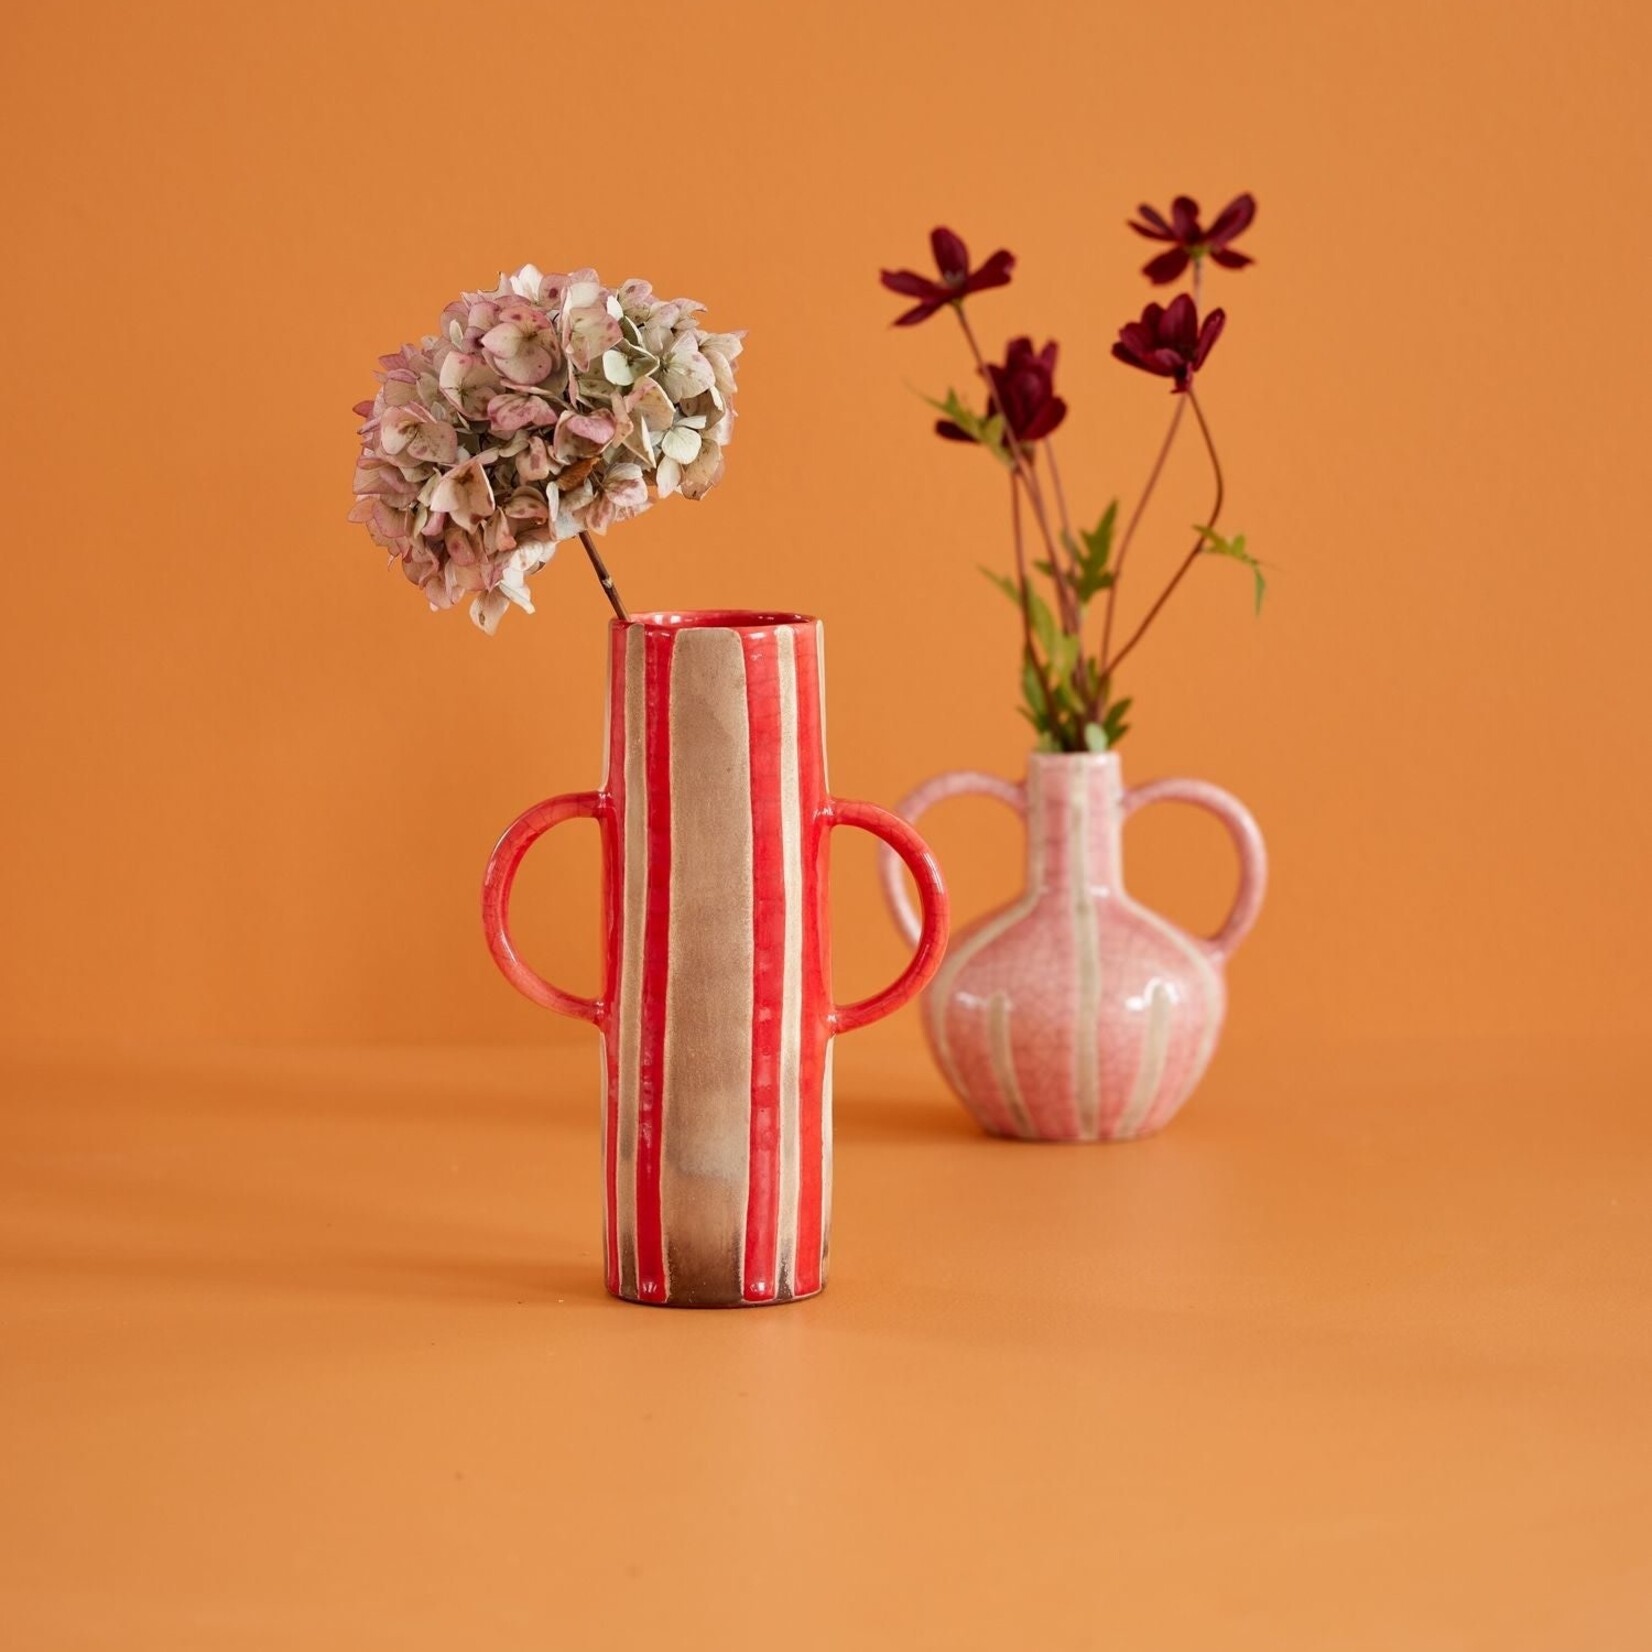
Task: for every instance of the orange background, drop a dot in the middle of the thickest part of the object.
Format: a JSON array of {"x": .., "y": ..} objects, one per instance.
[
  {"x": 305, "y": 1341},
  {"x": 253, "y": 781}
]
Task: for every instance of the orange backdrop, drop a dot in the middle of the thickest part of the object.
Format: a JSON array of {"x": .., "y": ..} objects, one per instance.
[{"x": 251, "y": 783}]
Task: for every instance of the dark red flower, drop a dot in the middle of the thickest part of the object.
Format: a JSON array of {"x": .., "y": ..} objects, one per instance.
[
  {"x": 1023, "y": 389},
  {"x": 1189, "y": 240},
  {"x": 1170, "y": 341},
  {"x": 957, "y": 279}
]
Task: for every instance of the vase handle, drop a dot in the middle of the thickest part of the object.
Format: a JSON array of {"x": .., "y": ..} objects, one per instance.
[
  {"x": 1247, "y": 839},
  {"x": 519, "y": 837},
  {"x": 899, "y": 841},
  {"x": 960, "y": 783}
]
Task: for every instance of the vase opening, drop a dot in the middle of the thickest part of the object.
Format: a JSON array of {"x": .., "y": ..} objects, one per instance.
[{"x": 715, "y": 619}]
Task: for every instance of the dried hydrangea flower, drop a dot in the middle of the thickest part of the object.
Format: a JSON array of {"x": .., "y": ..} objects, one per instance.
[{"x": 550, "y": 407}]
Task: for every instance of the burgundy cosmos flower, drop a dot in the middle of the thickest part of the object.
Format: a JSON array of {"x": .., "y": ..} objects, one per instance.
[
  {"x": 957, "y": 279},
  {"x": 1189, "y": 240},
  {"x": 1170, "y": 341},
  {"x": 1024, "y": 390}
]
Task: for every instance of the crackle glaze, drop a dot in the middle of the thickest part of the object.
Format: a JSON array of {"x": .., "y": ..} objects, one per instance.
[
  {"x": 1075, "y": 1014},
  {"x": 716, "y": 1012}
]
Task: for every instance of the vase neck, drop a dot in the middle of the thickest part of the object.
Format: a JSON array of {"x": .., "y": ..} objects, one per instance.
[{"x": 1073, "y": 821}]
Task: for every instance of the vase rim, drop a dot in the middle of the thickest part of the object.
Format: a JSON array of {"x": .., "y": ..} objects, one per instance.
[
  {"x": 713, "y": 619},
  {"x": 1110, "y": 756}
]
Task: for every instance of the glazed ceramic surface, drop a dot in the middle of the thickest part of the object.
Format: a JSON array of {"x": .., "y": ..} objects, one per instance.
[
  {"x": 716, "y": 1010},
  {"x": 1075, "y": 1014}
]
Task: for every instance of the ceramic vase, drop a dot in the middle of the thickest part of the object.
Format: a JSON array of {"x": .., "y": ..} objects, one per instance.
[
  {"x": 1075, "y": 1014},
  {"x": 716, "y": 1010}
]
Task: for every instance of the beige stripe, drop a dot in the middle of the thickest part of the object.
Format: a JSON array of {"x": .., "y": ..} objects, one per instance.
[
  {"x": 1003, "y": 1059},
  {"x": 1161, "y": 1001},
  {"x": 631, "y": 944},
  {"x": 706, "y": 1120},
  {"x": 1087, "y": 1027},
  {"x": 791, "y": 981},
  {"x": 938, "y": 998},
  {"x": 1194, "y": 951}
]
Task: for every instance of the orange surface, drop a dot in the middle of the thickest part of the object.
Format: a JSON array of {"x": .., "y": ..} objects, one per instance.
[
  {"x": 309, "y": 1350},
  {"x": 302, "y": 1347}
]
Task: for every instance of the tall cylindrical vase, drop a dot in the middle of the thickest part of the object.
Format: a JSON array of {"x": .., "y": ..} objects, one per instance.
[{"x": 716, "y": 1008}]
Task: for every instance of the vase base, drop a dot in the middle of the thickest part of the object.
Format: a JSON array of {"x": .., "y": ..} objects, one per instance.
[
  {"x": 1069, "y": 1141},
  {"x": 717, "y": 1302}
]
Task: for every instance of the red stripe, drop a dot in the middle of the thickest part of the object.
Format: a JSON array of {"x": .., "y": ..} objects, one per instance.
[
  {"x": 817, "y": 965},
  {"x": 655, "y": 965},
  {"x": 613, "y": 827},
  {"x": 768, "y": 917}
]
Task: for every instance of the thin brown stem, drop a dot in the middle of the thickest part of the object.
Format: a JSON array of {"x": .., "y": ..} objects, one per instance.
[
  {"x": 1038, "y": 665},
  {"x": 1192, "y": 556},
  {"x": 1146, "y": 493},
  {"x": 1065, "y": 600},
  {"x": 1035, "y": 498},
  {"x": 1070, "y": 545},
  {"x": 603, "y": 576},
  {"x": 1210, "y": 448},
  {"x": 1060, "y": 493},
  {"x": 1135, "y": 518}
]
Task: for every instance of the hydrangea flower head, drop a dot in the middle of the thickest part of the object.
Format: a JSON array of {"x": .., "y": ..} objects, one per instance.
[{"x": 549, "y": 407}]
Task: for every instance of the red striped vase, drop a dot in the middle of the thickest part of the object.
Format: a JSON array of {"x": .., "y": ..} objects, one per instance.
[{"x": 716, "y": 1009}]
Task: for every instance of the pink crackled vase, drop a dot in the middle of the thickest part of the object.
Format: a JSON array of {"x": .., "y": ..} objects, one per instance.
[{"x": 1075, "y": 1014}]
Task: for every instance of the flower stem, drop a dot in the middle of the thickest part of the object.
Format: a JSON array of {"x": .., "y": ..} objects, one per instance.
[
  {"x": 1146, "y": 492},
  {"x": 604, "y": 577},
  {"x": 1064, "y": 596},
  {"x": 1030, "y": 653},
  {"x": 1198, "y": 544},
  {"x": 1135, "y": 518},
  {"x": 1060, "y": 492},
  {"x": 1210, "y": 448}
]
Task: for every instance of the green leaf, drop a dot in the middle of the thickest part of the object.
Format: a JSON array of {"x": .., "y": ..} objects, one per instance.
[
  {"x": 1043, "y": 623},
  {"x": 1098, "y": 551},
  {"x": 1003, "y": 582},
  {"x": 1216, "y": 545},
  {"x": 1032, "y": 690},
  {"x": 979, "y": 427},
  {"x": 953, "y": 407},
  {"x": 1068, "y": 697},
  {"x": 966, "y": 418},
  {"x": 1095, "y": 737},
  {"x": 991, "y": 437},
  {"x": 1059, "y": 650},
  {"x": 1098, "y": 541},
  {"x": 1062, "y": 652},
  {"x": 1113, "y": 724}
]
